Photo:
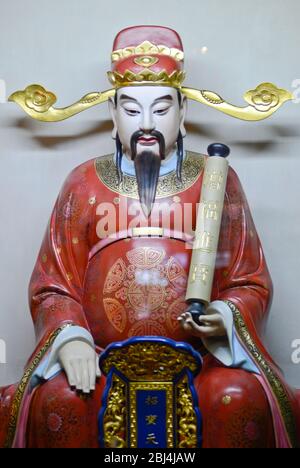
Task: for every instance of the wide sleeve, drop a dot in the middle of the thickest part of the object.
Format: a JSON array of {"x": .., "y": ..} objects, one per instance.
[
  {"x": 56, "y": 286},
  {"x": 242, "y": 278}
]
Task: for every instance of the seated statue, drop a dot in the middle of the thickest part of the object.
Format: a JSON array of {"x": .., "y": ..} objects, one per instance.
[{"x": 105, "y": 275}]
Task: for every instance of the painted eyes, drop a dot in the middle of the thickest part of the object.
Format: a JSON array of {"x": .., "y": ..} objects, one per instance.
[
  {"x": 161, "y": 111},
  {"x": 135, "y": 112},
  {"x": 132, "y": 112}
]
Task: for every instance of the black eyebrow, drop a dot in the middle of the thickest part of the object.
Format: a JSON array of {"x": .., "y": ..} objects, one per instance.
[
  {"x": 167, "y": 97},
  {"x": 124, "y": 96}
]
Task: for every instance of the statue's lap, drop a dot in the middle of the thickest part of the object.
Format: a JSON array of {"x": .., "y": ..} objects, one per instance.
[{"x": 234, "y": 408}]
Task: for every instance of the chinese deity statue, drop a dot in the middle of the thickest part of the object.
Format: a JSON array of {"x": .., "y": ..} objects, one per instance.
[{"x": 115, "y": 265}]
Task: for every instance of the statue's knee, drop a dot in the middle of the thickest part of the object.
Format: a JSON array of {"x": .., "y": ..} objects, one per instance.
[
  {"x": 235, "y": 409},
  {"x": 231, "y": 387},
  {"x": 61, "y": 416},
  {"x": 54, "y": 395}
]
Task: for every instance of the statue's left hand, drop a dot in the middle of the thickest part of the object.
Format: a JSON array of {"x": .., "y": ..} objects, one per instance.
[
  {"x": 211, "y": 325},
  {"x": 80, "y": 362}
]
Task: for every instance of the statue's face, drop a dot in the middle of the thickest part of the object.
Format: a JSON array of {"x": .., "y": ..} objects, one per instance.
[{"x": 148, "y": 108}]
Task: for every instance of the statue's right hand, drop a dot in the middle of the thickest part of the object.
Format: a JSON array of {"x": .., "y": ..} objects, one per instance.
[{"x": 80, "y": 362}]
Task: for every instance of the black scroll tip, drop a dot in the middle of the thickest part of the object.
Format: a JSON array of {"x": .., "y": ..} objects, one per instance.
[
  {"x": 196, "y": 309},
  {"x": 218, "y": 149}
]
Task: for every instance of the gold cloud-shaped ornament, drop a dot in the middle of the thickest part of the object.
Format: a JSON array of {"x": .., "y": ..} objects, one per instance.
[{"x": 263, "y": 101}]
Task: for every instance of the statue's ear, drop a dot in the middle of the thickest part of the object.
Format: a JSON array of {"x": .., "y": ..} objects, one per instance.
[
  {"x": 183, "y": 111},
  {"x": 113, "y": 112}
]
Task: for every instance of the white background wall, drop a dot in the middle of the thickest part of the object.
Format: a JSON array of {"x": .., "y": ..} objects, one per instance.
[{"x": 65, "y": 45}]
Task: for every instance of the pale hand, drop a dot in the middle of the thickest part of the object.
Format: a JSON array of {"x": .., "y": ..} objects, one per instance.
[
  {"x": 80, "y": 363},
  {"x": 211, "y": 325}
]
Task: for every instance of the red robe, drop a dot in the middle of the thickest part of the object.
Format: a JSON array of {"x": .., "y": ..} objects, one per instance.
[{"x": 82, "y": 280}]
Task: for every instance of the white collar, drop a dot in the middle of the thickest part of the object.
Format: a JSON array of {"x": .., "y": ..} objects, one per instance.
[{"x": 165, "y": 168}]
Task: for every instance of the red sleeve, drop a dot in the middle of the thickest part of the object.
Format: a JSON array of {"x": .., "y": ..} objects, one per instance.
[
  {"x": 242, "y": 276},
  {"x": 56, "y": 286}
]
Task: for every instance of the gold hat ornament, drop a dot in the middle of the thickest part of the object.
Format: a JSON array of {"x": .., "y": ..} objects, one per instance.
[{"x": 150, "y": 56}]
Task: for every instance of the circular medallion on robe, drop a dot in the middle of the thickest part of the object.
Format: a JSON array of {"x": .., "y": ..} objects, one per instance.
[{"x": 136, "y": 287}]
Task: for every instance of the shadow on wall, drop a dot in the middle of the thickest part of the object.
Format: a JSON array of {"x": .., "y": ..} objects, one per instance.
[
  {"x": 208, "y": 131},
  {"x": 49, "y": 142}
]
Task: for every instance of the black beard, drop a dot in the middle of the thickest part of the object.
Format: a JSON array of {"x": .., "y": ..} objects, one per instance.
[
  {"x": 147, "y": 166},
  {"x": 119, "y": 156}
]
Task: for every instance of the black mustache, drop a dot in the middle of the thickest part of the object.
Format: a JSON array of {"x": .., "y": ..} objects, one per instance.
[{"x": 156, "y": 134}]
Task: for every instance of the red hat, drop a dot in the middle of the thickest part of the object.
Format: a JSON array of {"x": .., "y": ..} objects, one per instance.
[{"x": 147, "y": 55}]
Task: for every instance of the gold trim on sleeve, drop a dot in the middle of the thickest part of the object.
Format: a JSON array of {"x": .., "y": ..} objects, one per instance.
[
  {"x": 20, "y": 392},
  {"x": 271, "y": 376}
]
